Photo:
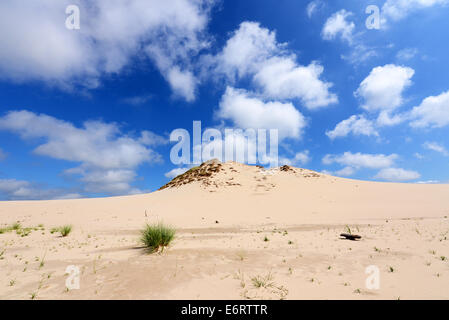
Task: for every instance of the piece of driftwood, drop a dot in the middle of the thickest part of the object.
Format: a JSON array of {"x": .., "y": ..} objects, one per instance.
[{"x": 350, "y": 236}]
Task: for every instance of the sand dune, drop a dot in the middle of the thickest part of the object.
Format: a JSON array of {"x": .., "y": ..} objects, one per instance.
[{"x": 223, "y": 213}]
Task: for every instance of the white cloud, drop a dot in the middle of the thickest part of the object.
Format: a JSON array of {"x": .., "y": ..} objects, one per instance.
[
  {"x": 300, "y": 158},
  {"x": 428, "y": 182},
  {"x": 12, "y": 189},
  {"x": 345, "y": 172},
  {"x": 383, "y": 88},
  {"x": 399, "y": 9},
  {"x": 387, "y": 118},
  {"x": 253, "y": 52},
  {"x": 360, "y": 160},
  {"x": 281, "y": 78},
  {"x": 246, "y": 50},
  {"x": 107, "y": 158},
  {"x": 152, "y": 139},
  {"x": 183, "y": 83},
  {"x": 397, "y": 175},
  {"x": 355, "y": 161},
  {"x": 246, "y": 112},
  {"x": 337, "y": 25},
  {"x": 434, "y": 146},
  {"x": 356, "y": 124},
  {"x": 37, "y": 46},
  {"x": 433, "y": 112},
  {"x": 313, "y": 7},
  {"x": 175, "y": 172}
]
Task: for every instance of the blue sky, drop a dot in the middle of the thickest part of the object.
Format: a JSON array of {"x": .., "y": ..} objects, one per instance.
[{"x": 88, "y": 112}]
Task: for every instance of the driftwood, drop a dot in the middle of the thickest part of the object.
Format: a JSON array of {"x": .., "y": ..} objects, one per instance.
[{"x": 350, "y": 236}]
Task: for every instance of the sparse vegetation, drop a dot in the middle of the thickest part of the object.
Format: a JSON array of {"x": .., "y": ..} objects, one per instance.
[
  {"x": 157, "y": 236},
  {"x": 266, "y": 239},
  {"x": 63, "y": 230},
  {"x": 13, "y": 227},
  {"x": 348, "y": 229},
  {"x": 262, "y": 281}
]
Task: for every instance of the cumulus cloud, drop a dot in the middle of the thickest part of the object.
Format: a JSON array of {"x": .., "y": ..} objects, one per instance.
[
  {"x": 355, "y": 161},
  {"x": 107, "y": 158},
  {"x": 356, "y": 124},
  {"x": 381, "y": 92},
  {"x": 361, "y": 160},
  {"x": 12, "y": 189},
  {"x": 338, "y": 25},
  {"x": 253, "y": 53},
  {"x": 346, "y": 172},
  {"x": 37, "y": 46},
  {"x": 300, "y": 158},
  {"x": 434, "y": 146},
  {"x": 433, "y": 112},
  {"x": 397, "y": 175},
  {"x": 399, "y": 9},
  {"x": 383, "y": 88},
  {"x": 247, "y": 111}
]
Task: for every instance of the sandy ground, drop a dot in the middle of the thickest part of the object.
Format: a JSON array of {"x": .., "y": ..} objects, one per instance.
[{"x": 220, "y": 250}]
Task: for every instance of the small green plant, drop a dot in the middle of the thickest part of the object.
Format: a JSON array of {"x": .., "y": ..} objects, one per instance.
[
  {"x": 266, "y": 239},
  {"x": 443, "y": 258},
  {"x": 262, "y": 281},
  {"x": 65, "y": 230},
  {"x": 12, "y": 283},
  {"x": 391, "y": 269},
  {"x": 157, "y": 236}
]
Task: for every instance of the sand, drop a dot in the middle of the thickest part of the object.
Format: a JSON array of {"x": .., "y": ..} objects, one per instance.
[{"x": 220, "y": 252}]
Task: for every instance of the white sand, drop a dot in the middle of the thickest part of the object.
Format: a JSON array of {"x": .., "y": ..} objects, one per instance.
[{"x": 404, "y": 226}]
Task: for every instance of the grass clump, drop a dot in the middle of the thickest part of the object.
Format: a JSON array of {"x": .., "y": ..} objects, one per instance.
[
  {"x": 16, "y": 226},
  {"x": 64, "y": 230},
  {"x": 157, "y": 236},
  {"x": 262, "y": 281}
]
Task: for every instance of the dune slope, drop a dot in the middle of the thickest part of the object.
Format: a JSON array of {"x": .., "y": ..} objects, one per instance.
[{"x": 237, "y": 226}]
